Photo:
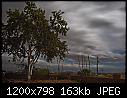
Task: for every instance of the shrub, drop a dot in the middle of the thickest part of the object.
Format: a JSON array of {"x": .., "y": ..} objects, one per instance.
[
  {"x": 86, "y": 72},
  {"x": 41, "y": 72}
]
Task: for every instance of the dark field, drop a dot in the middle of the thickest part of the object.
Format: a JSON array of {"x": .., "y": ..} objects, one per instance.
[{"x": 63, "y": 78}]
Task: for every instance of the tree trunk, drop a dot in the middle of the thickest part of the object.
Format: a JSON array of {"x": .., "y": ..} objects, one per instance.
[
  {"x": 79, "y": 63},
  {"x": 48, "y": 65},
  {"x": 97, "y": 64},
  {"x": 58, "y": 61},
  {"x": 29, "y": 64},
  {"x": 62, "y": 67},
  {"x": 82, "y": 62},
  {"x": 29, "y": 75},
  {"x": 89, "y": 61},
  {"x": 30, "y": 72},
  {"x": 86, "y": 61}
]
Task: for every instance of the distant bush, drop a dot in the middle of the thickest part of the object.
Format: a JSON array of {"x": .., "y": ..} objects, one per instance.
[
  {"x": 15, "y": 75},
  {"x": 105, "y": 75},
  {"x": 86, "y": 72},
  {"x": 108, "y": 75},
  {"x": 41, "y": 72}
]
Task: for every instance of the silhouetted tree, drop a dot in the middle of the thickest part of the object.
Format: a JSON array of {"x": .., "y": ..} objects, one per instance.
[
  {"x": 78, "y": 57},
  {"x": 62, "y": 64},
  {"x": 82, "y": 57},
  {"x": 89, "y": 61},
  {"x": 28, "y": 34},
  {"x": 58, "y": 62},
  {"x": 86, "y": 61},
  {"x": 97, "y": 64}
]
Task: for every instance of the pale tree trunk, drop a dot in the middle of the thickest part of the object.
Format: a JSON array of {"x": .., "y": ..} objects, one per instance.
[
  {"x": 29, "y": 64},
  {"x": 29, "y": 74},
  {"x": 48, "y": 65},
  {"x": 62, "y": 67},
  {"x": 30, "y": 71},
  {"x": 58, "y": 61}
]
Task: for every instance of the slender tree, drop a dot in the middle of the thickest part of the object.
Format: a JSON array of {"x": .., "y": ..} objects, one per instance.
[
  {"x": 97, "y": 64},
  {"x": 58, "y": 62},
  {"x": 86, "y": 61},
  {"x": 62, "y": 65},
  {"x": 79, "y": 62},
  {"x": 82, "y": 61},
  {"x": 29, "y": 35},
  {"x": 89, "y": 61}
]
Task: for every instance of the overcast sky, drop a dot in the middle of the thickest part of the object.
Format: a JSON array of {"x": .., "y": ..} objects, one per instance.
[{"x": 96, "y": 28}]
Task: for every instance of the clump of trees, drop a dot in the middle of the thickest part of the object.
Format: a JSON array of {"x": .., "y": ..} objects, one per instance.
[
  {"x": 29, "y": 35},
  {"x": 86, "y": 72},
  {"x": 41, "y": 71},
  {"x": 84, "y": 65}
]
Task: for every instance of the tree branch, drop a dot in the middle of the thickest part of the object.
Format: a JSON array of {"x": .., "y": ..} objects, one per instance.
[{"x": 37, "y": 57}]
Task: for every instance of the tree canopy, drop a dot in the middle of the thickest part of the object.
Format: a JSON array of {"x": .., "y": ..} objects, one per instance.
[
  {"x": 31, "y": 29},
  {"x": 29, "y": 34}
]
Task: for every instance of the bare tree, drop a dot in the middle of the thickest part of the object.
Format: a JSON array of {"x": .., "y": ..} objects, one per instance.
[
  {"x": 82, "y": 61},
  {"x": 97, "y": 64},
  {"x": 62, "y": 65},
  {"x": 89, "y": 61}
]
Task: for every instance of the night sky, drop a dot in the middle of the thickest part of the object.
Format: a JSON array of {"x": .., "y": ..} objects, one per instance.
[{"x": 96, "y": 28}]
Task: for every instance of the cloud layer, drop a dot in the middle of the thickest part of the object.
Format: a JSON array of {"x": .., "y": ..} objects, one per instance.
[{"x": 96, "y": 28}]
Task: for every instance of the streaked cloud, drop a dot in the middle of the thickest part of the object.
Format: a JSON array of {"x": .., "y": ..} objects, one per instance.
[{"x": 96, "y": 28}]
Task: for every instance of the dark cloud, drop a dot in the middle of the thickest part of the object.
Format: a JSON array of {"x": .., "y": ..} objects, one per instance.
[
  {"x": 92, "y": 23},
  {"x": 96, "y": 28},
  {"x": 123, "y": 9},
  {"x": 99, "y": 23},
  {"x": 10, "y": 5}
]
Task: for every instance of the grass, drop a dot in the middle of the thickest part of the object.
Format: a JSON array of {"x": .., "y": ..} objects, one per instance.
[{"x": 42, "y": 81}]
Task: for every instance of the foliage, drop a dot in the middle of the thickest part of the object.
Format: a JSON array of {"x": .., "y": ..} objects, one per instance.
[
  {"x": 28, "y": 34},
  {"x": 31, "y": 29},
  {"x": 41, "y": 72},
  {"x": 105, "y": 75},
  {"x": 86, "y": 72}
]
